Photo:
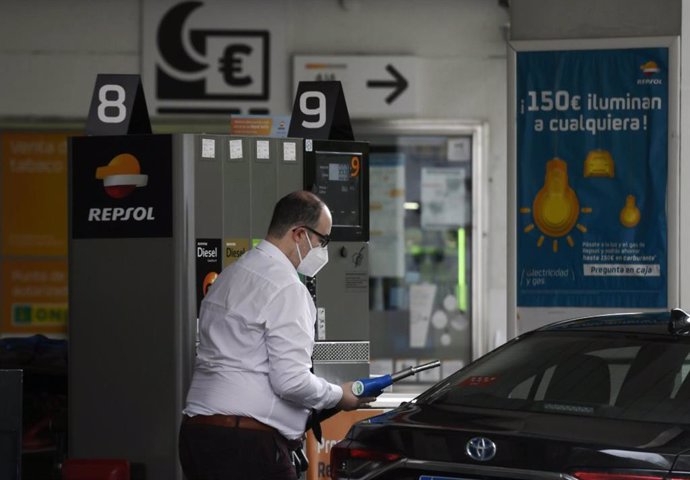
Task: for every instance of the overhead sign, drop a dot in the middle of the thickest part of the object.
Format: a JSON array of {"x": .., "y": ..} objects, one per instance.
[
  {"x": 118, "y": 106},
  {"x": 260, "y": 125},
  {"x": 320, "y": 111},
  {"x": 375, "y": 86},
  {"x": 214, "y": 58}
]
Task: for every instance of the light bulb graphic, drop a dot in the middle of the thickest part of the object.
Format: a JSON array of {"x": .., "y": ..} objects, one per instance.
[
  {"x": 555, "y": 208},
  {"x": 630, "y": 214},
  {"x": 599, "y": 163}
]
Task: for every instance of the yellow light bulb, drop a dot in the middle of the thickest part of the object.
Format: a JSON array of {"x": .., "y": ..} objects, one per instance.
[
  {"x": 630, "y": 214},
  {"x": 599, "y": 163},
  {"x": 556, "y": 206}
]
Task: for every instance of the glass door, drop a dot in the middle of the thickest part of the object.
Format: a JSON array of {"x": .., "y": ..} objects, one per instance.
[{"x": 424, "y": 295}]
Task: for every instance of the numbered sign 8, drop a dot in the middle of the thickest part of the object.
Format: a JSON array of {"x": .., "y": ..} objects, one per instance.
[{"x": 118, "y": 106}]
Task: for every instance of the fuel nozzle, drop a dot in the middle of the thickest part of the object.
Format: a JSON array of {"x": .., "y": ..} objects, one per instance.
[{"x": 372, "y": 387}]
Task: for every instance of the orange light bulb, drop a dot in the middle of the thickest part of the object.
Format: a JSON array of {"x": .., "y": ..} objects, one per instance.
[
  {"x": 630, "y": 214},
  {"x": 556, "y": 207}
]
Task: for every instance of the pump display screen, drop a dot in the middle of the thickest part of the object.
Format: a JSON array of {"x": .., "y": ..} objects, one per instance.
[
  {"x": 338, "y": 172},
  {"x": 338, "y": 182}
]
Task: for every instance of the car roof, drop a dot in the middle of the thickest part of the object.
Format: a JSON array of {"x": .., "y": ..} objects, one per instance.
[{"x": 673, "y": 322}]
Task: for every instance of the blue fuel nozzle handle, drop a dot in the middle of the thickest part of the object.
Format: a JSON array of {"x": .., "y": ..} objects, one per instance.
[{"x": 372, "y": 387}]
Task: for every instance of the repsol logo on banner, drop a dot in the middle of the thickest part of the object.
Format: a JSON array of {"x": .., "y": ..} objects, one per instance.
[
  {"x": 650, "y": 70},
  {"x": 121, "y": 186}
]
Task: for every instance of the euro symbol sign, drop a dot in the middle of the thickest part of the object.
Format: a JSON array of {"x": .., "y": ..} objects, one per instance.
[{"x": 230, "y": 64}]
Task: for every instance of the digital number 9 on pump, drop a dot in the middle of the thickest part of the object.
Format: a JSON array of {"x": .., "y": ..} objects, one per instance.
[
  {"x": 319, "y": 111},
  {"x": 354, "y": 166}
]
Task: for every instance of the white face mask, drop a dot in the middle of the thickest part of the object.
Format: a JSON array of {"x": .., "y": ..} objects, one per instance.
[{"x": 315, "y": 259}]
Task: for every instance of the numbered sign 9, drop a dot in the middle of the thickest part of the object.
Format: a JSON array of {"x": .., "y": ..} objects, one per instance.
[
  {"x": 320, "y": 112},
  {"x": 118, "y": 106}
]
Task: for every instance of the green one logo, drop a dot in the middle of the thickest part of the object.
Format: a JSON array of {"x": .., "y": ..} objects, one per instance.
[{"x": 39, "y": 313}]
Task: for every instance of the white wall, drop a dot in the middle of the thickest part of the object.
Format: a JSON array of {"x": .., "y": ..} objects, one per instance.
[
  {"x": 684, "y": 160},
  {"x": 551, "y": 19},
  {"x": 51, "y": 52}
]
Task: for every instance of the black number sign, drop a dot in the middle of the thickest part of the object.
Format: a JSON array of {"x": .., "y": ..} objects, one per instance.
[
  {"x": 320, "y": 112},
  {"x": 118, "y": 106}
]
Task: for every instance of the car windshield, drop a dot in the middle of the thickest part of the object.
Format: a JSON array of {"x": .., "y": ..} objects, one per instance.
[{"x": 580, "y": 373}]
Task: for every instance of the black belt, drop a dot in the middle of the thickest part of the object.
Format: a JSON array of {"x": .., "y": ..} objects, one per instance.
[
  {"x": 237, "y": 421},
  {"x": 232, "y": 421}
]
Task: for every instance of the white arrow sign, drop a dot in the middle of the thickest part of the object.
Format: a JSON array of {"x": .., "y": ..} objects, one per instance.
[{"x": 374, "y": 86}]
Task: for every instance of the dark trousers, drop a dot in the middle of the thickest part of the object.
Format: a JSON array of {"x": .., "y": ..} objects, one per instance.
[{"x": 210, "y": 452}]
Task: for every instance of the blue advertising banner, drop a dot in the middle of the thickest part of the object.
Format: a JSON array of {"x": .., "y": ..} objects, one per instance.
[{"x": 592, "y": 160}]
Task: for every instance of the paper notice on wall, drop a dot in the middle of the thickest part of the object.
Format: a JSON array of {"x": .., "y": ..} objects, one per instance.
[
  {"x": 421, "y": 303},
  {"x": 444, "y": 197},
  {"x": 208, "y": 148},
  {"x": 387, "y": 215},
  {"x": 459, "y": 149}
]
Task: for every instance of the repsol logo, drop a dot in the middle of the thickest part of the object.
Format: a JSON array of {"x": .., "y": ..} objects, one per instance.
[
  {"x": 119, "y": 214},
  {"x": 650, "y": 81}
]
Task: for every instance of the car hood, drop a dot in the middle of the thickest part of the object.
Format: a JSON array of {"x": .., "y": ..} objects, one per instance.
[{"x": 525, "y": 440}]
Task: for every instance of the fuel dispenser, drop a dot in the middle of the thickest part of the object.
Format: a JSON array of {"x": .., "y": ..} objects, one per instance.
[
  {"x": 131, "y": 296},
  {"x": 338, "y": 172},
  {"x": 255, "y": 173},
  {"x": 152, "y": 219}
]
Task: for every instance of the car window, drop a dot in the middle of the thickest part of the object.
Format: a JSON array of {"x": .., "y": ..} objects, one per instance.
[
  {"x": 682, "y": 376},
  {"x": 579, "y": 373}
]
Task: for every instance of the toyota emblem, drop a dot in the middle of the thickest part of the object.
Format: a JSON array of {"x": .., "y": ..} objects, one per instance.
[{"x": 481, "y": 449}]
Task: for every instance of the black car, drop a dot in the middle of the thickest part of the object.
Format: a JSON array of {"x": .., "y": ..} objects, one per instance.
[{"x": 598, "y": 398}]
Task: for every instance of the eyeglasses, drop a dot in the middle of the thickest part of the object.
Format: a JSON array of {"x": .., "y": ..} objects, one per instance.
[{"x": 324, "y": 239}]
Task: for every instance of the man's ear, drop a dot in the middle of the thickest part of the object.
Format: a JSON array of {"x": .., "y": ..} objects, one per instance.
[{"x": 295, "y": 232}]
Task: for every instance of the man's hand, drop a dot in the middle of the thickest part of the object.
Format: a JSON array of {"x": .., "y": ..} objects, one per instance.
[{"x": 350, "y": 401}]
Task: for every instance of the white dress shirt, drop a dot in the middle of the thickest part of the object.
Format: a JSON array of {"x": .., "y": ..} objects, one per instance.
[{"x": 256, "y": 335}]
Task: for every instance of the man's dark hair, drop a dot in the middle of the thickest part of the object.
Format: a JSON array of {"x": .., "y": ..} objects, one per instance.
[{"x": 295, "y": 209}]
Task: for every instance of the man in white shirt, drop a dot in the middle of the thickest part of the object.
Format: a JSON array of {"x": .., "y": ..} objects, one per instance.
[{"x": 252, "y": 389}]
